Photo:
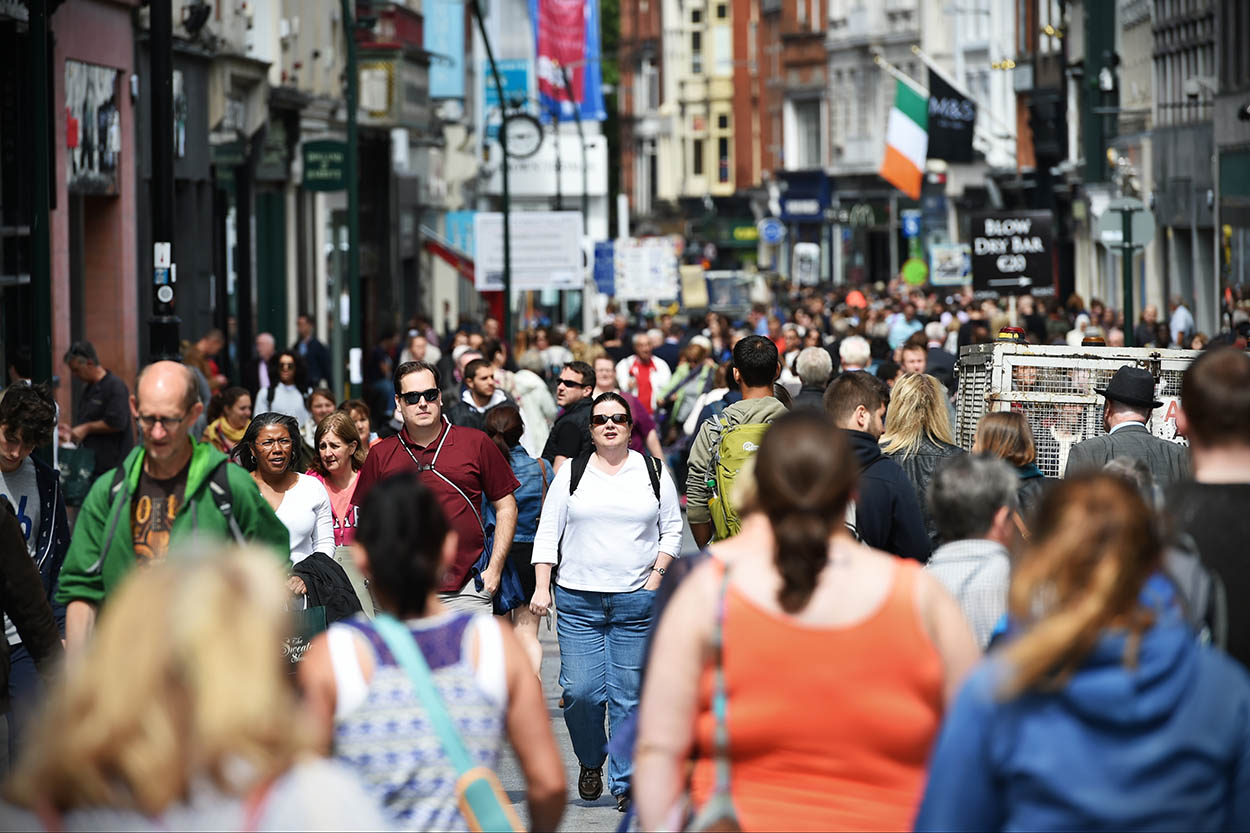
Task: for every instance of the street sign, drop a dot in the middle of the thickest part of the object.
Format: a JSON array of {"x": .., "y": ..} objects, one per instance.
[
  {"x": 772, "y": 230},
  {"x": 546, "y": 250},
  {"x": 1011, "y": 254},
  {"x": 605, "y": 267},
  {"x": 1109, "y": 228},
  {"x": 911, "y": 222},
  {"x": 325, "y": 165},
  {"x": 950, "y": 264},
  {"x": 806, "y": 270}
]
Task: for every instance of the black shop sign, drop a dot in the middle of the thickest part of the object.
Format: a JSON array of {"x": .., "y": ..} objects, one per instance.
[{"x": 1012, "y": 254}]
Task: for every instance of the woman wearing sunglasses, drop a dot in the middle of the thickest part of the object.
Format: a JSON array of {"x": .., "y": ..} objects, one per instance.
[
  {"x": 613, "y": 521},
  {"x": 287, "y": 389}
]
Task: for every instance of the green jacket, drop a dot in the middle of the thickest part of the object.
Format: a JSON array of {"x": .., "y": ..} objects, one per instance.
[{"x": 89, "y": 575}]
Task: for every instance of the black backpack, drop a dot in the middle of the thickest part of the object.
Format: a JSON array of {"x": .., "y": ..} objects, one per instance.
[{"x": 580, "y": 462}]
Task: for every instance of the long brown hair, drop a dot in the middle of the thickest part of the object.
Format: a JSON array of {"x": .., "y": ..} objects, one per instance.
[
  {"x": 1096, "y": 543},
  {"x": 504, "y": 427},
  {"x": 1006, "y": 434},
  {"x": 344, "y": 427},
  {"x": 804, "y": 473}
]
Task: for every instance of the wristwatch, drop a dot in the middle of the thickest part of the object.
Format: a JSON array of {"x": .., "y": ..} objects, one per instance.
[{"x": 659, "y": 570}]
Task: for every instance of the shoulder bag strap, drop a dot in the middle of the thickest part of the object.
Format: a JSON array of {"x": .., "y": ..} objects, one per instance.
[
  {"x": 720, "y": 695},
  {"x": 542, "y": 467},
  {"x": 406, "y": 653},
  {"x": 219, "y": 488},
  {"x": 434, "y": 471}
]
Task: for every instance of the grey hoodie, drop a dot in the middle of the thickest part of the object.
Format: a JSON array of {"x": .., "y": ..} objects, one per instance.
[{"x": 744, "y": 412}]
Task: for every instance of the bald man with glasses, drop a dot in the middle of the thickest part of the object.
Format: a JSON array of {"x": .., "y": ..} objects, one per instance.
[{"x": 168, "y": 489}]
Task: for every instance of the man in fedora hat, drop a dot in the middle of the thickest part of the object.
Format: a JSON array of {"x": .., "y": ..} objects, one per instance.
[{"x": 1130, "y": 399}]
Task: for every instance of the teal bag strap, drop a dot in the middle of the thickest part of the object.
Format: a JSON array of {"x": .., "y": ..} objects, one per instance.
[
  {"x": 720, "y": 696},
  {"x": 403, "y": 648}
]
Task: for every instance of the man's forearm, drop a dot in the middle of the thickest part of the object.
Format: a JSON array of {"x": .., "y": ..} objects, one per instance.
[
  {"x": 79, "y": 623},
  {"x": 505, "y": 528},
  {"x": 98, "y": 426},
  {"x": 702, "y": 533}
]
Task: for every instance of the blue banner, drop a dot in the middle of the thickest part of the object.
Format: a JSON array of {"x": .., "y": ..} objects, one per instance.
[
  {"x": 515, "y": 75},
  {"x": 458, "y": 229},
  {"x": 591, "y": 93},
  {"x": 605, "y": 267},
  {"x": 444, "y": 39}
]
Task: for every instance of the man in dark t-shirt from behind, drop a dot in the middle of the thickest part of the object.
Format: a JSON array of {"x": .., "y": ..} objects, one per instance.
[
  {"x": 570, "y": 435},
  {"x": 1212, "y": 509},
  {"x": 103, "y": 423}
]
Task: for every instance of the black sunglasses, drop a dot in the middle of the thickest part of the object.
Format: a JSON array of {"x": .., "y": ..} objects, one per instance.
[
  {"x": 602, "y": 419},
  {"x": 412, "y": 397},
  {"x": 571, "y": 383}
]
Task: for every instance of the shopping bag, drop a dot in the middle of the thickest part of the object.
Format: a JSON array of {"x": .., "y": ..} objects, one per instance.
[
  {"x": 77, "y": 465},
  {"x": 306, "y": 623}
]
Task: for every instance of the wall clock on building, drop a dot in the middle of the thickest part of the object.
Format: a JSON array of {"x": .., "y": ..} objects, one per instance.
[{"x": 523, "y": 134}]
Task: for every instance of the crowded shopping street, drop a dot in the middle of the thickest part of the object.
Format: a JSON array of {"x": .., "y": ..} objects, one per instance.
[{"x": 743, "y": 415}]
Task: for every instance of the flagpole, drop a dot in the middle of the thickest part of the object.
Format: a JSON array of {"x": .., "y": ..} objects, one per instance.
[{"x": 899, "y": 75}]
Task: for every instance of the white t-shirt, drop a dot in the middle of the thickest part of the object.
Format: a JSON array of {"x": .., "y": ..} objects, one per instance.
[
  {"x": 305, "y": 509},
  {"x": 287, "y": 399},
  {"x": 21, "y": 489},
  {"x": 612, "y": 527}
]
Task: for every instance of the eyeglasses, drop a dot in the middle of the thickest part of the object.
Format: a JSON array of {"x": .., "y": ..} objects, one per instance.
[
  {"x": 412, "y": 397},
  {"x": 602, "y": 419},
  {"x": 571, "y": 383},
  {"x": 283, "y": 442},
  {"x": 286, "y": 365},
  {"x": 168, "y": 423}
]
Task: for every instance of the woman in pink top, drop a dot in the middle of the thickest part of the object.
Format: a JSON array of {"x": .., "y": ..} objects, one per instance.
[{"x": 339, "y": 457}]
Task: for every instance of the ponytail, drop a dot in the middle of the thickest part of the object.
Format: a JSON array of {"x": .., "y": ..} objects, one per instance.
[{"x": 802, "y": 551}]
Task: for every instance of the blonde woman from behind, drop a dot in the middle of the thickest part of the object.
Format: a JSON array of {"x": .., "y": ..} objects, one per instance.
[{"x": 180, "y": 716}]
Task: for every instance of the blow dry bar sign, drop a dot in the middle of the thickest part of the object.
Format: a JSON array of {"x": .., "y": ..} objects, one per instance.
[{"x": 1011, "y": 254}]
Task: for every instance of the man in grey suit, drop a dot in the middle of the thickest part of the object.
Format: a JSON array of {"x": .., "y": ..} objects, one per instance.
[{"x": 1130, "y": 399}]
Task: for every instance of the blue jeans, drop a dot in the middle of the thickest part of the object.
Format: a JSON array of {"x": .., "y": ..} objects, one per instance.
[
  {"x": 25, "y": 694},
  {"x": 603, "y": 641}
]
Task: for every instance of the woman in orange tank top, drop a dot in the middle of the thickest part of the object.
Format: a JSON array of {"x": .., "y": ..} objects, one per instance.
[{"x": 837, "y": 662}]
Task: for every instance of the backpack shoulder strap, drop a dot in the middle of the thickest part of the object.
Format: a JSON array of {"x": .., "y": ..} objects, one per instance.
[
  {"x": 219, "y": 488},
  {"x": 653, "y": 471},
  {"x": 579, "y": 464}
]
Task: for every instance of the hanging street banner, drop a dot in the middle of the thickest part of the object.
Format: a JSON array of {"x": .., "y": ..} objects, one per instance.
[
  {"x": 951, "y": 121},
  {"x": 566, "y": 34},
  {"x": 1012, "y": 254}
]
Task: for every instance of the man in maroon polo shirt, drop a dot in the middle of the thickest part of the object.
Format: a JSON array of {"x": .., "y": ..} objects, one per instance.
[{"x": 459, "y": 465}]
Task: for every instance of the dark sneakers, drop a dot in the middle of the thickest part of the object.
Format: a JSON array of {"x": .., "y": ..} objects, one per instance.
[
  {"x": 622, "y": 803},
  {"x": 590, "y": 783}
]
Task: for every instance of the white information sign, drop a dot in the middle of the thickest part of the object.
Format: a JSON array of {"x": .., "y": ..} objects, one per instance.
[
  {"x": 546, "y": 250},
  {"x": 646, "y": 269}
]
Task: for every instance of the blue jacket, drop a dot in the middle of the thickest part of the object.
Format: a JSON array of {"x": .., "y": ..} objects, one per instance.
[
  {"x": 534, "y": 479},
  {"x": 1163, "y": 746},
  {"x": 52, "y": 539}
]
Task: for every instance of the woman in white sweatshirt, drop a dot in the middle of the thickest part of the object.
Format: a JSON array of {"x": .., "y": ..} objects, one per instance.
[{"x": 613, "y": 521}]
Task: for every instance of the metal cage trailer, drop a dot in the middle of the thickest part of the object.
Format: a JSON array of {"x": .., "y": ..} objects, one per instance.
[{"x": 1053, "y": 386}]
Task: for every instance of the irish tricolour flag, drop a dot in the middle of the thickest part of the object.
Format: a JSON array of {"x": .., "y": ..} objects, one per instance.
[{"x": 906, "y": 141}]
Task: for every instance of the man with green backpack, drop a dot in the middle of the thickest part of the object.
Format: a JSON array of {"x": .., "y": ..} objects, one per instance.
[{"x": 725, "y": 442}]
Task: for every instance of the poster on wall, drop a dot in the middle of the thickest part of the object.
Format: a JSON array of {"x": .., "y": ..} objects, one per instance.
[{"x": 93, "y": 131}]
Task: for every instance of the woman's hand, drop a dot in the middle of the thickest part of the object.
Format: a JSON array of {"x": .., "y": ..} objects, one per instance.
[
  {"x": 541, "y": 602},
  {"x": 296, "y": 585}
]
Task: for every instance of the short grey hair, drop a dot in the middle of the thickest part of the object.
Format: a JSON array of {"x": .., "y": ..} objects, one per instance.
[
  {"x": 934, "y": 331},
  {"x": 966, "y": 493},
  {"x": 855, "y": 350},
  {"x": 813, "y": 365}
]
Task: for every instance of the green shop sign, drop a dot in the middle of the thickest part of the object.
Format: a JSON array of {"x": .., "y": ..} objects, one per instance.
[{"x": 325, "y": 165}]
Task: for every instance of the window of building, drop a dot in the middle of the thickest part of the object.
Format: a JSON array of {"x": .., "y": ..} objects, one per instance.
[
  {"x": 724, "y": 49},
  {"x": 696, "y": 161},
  {"x": 807, "y": 144},
  {"x": 722, "y": 159},
  {"x": 696, "y": 16},
  {"x": 722, "y": 11},
  {"x": 696, "y": 52},
  {"x": 722, "y": 121},
  {"x": 649, "y": 85}
]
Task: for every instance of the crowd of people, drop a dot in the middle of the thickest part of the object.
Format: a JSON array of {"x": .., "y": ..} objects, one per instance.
[{"x": 875, "y": 628}]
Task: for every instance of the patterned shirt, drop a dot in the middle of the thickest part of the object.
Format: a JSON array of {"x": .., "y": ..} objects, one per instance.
[{"x": 977, "y": 572}]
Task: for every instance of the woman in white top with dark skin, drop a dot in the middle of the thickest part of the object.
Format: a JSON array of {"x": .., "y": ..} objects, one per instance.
[
  {"x": 615, "y": 540},
  {"x": 270, "y": 450}
]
